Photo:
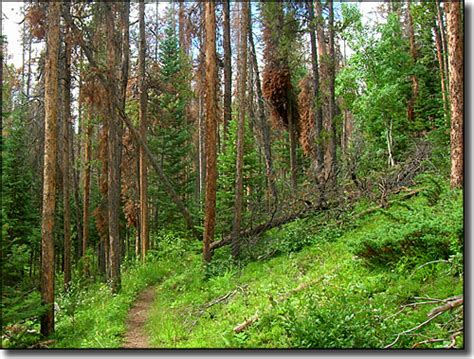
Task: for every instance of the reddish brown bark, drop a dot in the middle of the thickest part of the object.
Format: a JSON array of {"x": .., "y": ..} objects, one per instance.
[
  {"x": 211, "y": 129},
  {"x": 66, "y": 172},
  {"x": 113, "y": 184},
  {"x": 227, "y": 68},
  {"x": 456, "y": 89},
  {"x": 49, "y": 171}
]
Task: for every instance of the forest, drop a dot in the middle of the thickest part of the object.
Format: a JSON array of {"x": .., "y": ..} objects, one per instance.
[{"x": 227, "y": 174}]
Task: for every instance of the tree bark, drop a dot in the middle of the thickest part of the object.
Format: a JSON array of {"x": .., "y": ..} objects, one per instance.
[
  {"x": 113, "y": 194},
  {"x": 293, "y": 138},
  {"x": 325, "y": 90},
  {"x": 331, "y": 126},
  {"x": 227, "y": 70},
  {"x": 49, "y": 170},
  {"x": 444, "y": 45},
  {"x": 143, "y": 130},
  {"x": 211, "y": 129},
  {"x": 413, "y": 52},
  {"x": 456, "y": 89},
  {"x": 237, "y": 223},
  {"x": 66, "y": 159},
  {"x": 319, "y": 155},
  {"x": 442, "y": 76}
]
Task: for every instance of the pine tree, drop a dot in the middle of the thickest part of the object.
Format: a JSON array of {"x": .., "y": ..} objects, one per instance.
[{"x": 173, "y": 136}]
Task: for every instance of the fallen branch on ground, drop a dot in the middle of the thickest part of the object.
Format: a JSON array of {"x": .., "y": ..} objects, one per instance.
[
  {"x": 450, "y": 304},
  {"x": 244, "y": 325},
  {"x": 389, "y": 203},
  {"x": 213, "y": 302}
]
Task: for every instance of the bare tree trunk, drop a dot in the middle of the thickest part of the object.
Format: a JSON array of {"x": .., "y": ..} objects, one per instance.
[
  {"x": 211, "y": 129},
  {"x": 391, "y": 161},
  {"x": 413, "y": 52},
  {"x": 331, "y": 126},
  {"x": 325, "y": 90},
  {"x": 113, "y": 150},
  {"x": 227, "y": 70},
  {"x": 456, "y": 89},
  {"x": 439, "y": 53},
  {"x": 66, "y": 159},
  {"x": 293, "y": 141},
  {"x": 49, "y": 171},
  {"x": 86, "y": 181},
  {"x": 237, "y": 223},
  {"x": 319, "y": 155},
  {"x": 263, "y": 123},
  {"x": 143, "y": 125},
  {"x": 444, "y": 45}
]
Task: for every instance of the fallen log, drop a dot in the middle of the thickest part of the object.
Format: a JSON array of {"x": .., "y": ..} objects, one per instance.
[{"x": 273, "y": 223}]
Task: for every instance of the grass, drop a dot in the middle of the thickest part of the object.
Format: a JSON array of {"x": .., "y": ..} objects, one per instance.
[
  {"x": 352, "y": 304},
  {"x": 95, "y": 318},
  {"x": 354, "y": 300}
]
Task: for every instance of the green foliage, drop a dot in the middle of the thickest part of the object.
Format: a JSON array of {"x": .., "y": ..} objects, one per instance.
[
  {"x": 426, "y": 231},
  {"x": 171, "y": 139},
  {"x": 90, "y": 316},
  {"x": 349, "y": 304},
  {"x": 253, "y": 180}
]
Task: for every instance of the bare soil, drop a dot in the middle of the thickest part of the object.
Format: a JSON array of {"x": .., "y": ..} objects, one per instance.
[{"x": 135, "y": 336}]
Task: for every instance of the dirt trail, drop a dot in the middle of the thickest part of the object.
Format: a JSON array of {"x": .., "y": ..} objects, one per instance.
[{"x": 136, "y": 337}]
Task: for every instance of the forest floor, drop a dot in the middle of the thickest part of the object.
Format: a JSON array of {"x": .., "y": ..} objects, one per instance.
[
  {"x": 358, "y": 279},
  {"x": 135, "y": 336}
]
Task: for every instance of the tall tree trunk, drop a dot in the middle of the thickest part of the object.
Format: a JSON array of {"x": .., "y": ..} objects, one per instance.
[
  {"x": 319, "y": 155},
  {"x": 237, "y": 223},
  {"x": 66, "y": 158},
  {"x": 331, "y": 126},
  {"x": 444, "y": 45},
  {"x": 293, "y": 138},
  {"x": 442, "y": 76},
  {"x": 413, "y": 52},
  {"x": 49, "y": 171},
  {"x": 86, "y": 183},
  {"x": 263, "y": 123},
  {"x": 227, "y": 70},
  {"x": 211, "y": 129},
  {"x": 456, "y": 89},
  {"x": 113, "y": 149},
  {"x": 325, "y": 91},
  {"x": 143, "y": 125}
]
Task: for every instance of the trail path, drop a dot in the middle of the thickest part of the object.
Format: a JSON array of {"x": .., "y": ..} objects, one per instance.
[{"x": 135, "y": 336}]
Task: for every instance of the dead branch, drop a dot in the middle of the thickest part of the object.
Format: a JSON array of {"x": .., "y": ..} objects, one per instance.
[
  {"x": 241, "y": 327},
  {"x": 387, "y": 204},
  {"x": 428, "y": 263},
  {"x": 450, "y": 304},
  {"x": 453, "y": 338},
  {"x": 411, "y": 330},
  {"x": 432, "y": 340},
  {"x": 244, "y": 325}
]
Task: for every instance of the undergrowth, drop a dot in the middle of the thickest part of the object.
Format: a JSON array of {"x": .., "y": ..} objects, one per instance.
[
  {"x": 358, "y": 278},
  {"x": 354, "y": 296}
]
